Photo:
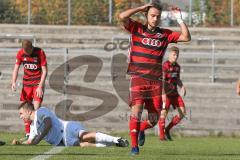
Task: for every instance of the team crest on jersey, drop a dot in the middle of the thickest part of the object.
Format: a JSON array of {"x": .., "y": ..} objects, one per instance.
[
  {"x": 35, "y": 59},
  {"x": 159, "y": 35}
]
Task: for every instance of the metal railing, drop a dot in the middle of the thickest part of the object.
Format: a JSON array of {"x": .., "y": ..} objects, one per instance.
[
  {"x": 31, "y": 13},
  {"x": 118, "y": 45}
]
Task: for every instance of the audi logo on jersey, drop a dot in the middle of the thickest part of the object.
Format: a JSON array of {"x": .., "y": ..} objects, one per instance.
[
  {"x": 30, "y": 66},
  {"x": 151, "y": 42}
]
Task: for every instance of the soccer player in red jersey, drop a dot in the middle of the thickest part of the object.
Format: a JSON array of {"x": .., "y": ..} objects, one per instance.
[
  {"x": 148, "y": 43},
  {"x": 238, "y": 87},
  {"x": 171, "y": 71},
  {"x": 35, "y": 72}
]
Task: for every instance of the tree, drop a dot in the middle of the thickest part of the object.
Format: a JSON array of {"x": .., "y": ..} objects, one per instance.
[
  {"x": 236, "y": 12},
  {"x": 44, "y": 11},
  {"x": 217, "y": 13},
  {"x": 90, "y": 12},
  {"x": 121, "y": 5}
]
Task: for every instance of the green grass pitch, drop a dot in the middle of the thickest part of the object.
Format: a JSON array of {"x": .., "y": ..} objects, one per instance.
[{"x": 194, "y": 148}]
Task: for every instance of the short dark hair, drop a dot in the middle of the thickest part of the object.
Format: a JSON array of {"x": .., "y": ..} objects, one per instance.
[
  {"x": 26, "y": 44},
  {"x": 174, "y": 48},
  {"x": 26, "y": 105},
  {"x": 155, "y": 4}
]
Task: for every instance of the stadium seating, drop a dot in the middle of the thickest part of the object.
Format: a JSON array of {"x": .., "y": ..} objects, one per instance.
[{"x": 213, "y": 108}]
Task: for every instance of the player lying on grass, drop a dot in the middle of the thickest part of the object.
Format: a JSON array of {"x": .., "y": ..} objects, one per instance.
[
  {"x": 46, "y": 125},
  {"x": 171, "y": 72}
]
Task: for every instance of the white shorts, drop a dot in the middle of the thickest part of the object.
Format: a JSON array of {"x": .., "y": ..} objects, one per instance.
[{"x": 72, "y": 131}]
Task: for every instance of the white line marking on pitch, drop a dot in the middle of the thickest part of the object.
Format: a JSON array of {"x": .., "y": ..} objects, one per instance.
[{"x": 49, "y": 153}]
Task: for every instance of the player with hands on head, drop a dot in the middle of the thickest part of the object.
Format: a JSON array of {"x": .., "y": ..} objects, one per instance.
[{"x": 148, "y": 43}]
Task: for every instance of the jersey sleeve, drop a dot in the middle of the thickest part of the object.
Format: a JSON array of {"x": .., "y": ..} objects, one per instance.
[
  {"x": 42, "y": 113},
  {"x": 172, "y": 36},
  {"x": 18, "y": 58},
  {"x": 43, "y": 60},
  {"x": 132, "y": 25}
]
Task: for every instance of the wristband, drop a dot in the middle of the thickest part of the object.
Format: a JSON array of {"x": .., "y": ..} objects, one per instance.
[{"x": 180, "y": 21}]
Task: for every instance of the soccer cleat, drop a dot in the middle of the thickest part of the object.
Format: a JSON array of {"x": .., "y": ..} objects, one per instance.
[
  {"x": 2, "y": 143},
  {"x": 135, "y": 151},
  {"x": 141, "y": 138},
  {"x": 122, "y": 142},
  {"x": 168, "y": 136}
]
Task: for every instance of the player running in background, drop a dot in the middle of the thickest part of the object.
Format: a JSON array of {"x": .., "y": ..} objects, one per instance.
[
  {"x": 148, "y": 43},
  {"x": 45, "y": 125},
  {"x": 171, "y": 71},
  {"x": 35, "y": 72},
  {"x": 238, "y": 87}
]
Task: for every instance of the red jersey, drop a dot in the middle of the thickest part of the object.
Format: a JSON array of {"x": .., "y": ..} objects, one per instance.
[
  {"x": 172, "y": 76},
  {"x": 32, "y": 65},
  {"x": 147, "y": 49}
]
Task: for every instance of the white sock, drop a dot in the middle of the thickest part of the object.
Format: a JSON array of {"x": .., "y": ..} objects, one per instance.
[
  {"x": 104, "y": 138},
  {"x": 101, "y": 145},
  {"x": 105, "y": 144}
]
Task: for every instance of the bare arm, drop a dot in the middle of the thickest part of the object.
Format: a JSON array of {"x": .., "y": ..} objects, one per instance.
[
  {"x": 183, "y": 89},
  {"x": 125, "y": 15},
  {"x": 47, "y": 126},
  {"x": 179, "y": 83},
  {"x": 14, "y": 76},
  {"x": 185, "y": 34},
  {"x": 39, "y": 91},
  {"x": 43, "y": 76},
  {"x": 164, "y": 96}
]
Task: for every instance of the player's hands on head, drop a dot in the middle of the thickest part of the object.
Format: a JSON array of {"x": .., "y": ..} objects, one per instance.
[
  {"x": 176, "y": 12},
  {"x": 145, "y": 7}
]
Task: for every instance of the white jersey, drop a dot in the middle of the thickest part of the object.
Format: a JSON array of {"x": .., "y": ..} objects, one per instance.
[{"x": 55, "y": 134}]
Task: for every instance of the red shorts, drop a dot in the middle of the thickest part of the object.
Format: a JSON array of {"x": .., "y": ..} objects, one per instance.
[
  {"x": 148, "y": 92},
  {"x": 175, "y": 101},
  {"x": 29, "y": 94}
]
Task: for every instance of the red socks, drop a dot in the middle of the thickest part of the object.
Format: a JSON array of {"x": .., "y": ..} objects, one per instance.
[
  {"x": 176, "y": 119},
  {"x": 27, "y": 126},
  {"x": 134, "y": 126},
  {"x": 145, "y": 125},
  {"x": 161, "y": 125}
]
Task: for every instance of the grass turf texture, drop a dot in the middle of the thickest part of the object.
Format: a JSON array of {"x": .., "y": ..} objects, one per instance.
[{"x": 197, "y": 148}]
